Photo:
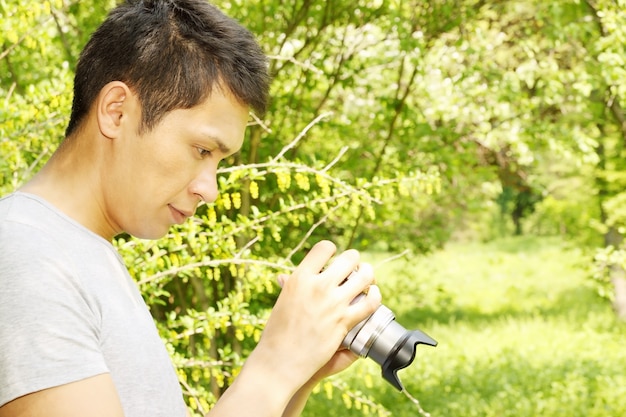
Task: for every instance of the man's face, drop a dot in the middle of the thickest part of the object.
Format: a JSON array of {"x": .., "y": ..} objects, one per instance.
[{"x": 158, "y": 178}]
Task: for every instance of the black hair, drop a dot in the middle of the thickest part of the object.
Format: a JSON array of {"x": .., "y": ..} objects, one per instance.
[{"x": 172, "y": 53}]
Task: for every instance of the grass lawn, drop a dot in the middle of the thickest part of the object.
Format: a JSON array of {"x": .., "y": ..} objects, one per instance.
[{"x": 520, "y": 333}]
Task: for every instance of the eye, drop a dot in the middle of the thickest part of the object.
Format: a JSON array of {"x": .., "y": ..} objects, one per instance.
[{"x": 203, "y": 152}]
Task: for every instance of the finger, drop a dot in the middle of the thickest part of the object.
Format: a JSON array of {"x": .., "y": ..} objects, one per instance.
[
  {"x": 342, "y": 359},
  {"x": 342, "y": 266},
  {"x": 359, "y": 280},
  {"x": 317, "y": 258},
  {"x": 367, "y": 304}
]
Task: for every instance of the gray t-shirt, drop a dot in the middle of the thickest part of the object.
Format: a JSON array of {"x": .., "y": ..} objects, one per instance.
[{"x": 69, "y": 310}]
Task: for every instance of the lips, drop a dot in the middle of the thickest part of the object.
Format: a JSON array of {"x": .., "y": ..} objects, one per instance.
[{"x": 179, "y": 216}]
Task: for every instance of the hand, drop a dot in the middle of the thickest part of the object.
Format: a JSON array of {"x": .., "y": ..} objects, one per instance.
[
  {"x": 341, "y": 360},
  {"x": 314, "y": 313}
]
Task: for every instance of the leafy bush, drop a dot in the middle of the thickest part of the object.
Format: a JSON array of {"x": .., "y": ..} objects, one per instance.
[
  {"x": 210, "y": 283},
  {"x": 520, "y": 332}
]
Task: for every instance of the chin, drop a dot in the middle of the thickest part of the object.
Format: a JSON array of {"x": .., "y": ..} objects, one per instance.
[{"x": 149, "y": 233}]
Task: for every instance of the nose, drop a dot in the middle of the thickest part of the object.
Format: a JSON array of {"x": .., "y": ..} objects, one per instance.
[{"x": 204, "y": 185}]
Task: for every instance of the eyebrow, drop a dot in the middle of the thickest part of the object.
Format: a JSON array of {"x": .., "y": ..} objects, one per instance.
[{"x": 220, "y": 143}]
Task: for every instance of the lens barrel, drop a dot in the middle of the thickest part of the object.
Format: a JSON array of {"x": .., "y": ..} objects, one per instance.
[{"x": 381, "y": 338}]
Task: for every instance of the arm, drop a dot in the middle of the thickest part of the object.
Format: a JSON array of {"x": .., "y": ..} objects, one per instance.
[
  {"x": 299, "y": 345},
  {"x": 340, "y": 361},
  {"x": 93, "y": 397}
]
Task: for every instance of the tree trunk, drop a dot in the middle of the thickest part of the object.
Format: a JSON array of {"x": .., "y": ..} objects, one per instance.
[
  {"x": 618, "y": 279},
  {"x": 617, "y": 275}
]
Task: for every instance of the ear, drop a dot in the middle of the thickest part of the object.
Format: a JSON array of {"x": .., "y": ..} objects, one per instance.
[{"x": 113, "y": 108}]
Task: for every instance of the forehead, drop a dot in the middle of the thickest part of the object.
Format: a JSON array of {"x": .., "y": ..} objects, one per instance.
[{"x": 220, "y": 120}]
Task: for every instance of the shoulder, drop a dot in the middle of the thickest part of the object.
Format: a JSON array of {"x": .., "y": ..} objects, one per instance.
[
  {"x": 31, "y": 214},
  {"x": 37, "y": 268},
  {"x": 34, "y": 234},
  {"x": 18, "y": 207},
  {"x": 46, "y": 256},
  {"x": 30, "y": 243},
  {"x": 49, "y": 329}
]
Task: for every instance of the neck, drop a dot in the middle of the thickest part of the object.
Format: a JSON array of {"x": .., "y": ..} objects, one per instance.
[{"x": 70, "y": 181}]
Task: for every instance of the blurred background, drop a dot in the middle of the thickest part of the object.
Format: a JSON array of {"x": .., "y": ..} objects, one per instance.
[{"x": 472, "y": 150}]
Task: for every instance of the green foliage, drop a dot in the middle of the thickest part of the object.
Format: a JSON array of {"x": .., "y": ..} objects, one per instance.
[
  {"x": 39, "y": 45},
  {"x": 210, "y": 283},
  {"x": 520, "y": 334},
  {"x": 605, "y": 260},
  {"x": 211, "y": 291}
]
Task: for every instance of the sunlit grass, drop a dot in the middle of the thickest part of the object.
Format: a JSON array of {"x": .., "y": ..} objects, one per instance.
[{"x": 520, "y": 333}]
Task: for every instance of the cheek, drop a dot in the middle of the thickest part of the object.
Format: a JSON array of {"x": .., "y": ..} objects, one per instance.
[
  {"x": 160, "y": 168},
  {"x": 167, "y": 173}
]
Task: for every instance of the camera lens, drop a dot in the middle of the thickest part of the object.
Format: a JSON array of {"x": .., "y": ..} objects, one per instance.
[{"x": 381, "y": 338}]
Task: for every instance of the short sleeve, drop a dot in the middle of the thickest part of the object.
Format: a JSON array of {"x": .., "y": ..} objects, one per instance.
[{"x": 49, "y": 330}]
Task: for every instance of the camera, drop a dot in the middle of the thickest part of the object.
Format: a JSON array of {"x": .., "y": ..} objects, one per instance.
[{"x": 381, "y": 338}]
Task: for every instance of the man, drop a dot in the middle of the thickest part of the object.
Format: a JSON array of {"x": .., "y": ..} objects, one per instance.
[{"x": 162, "y": 94}]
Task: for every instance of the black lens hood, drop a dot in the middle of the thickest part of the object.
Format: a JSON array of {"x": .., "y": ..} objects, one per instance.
[{"x": 402, "y": 355}]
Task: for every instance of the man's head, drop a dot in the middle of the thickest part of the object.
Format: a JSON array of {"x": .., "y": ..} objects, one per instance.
[
  {"x": 162, "y": 94},
  {"x": 173, "y": 54}
]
